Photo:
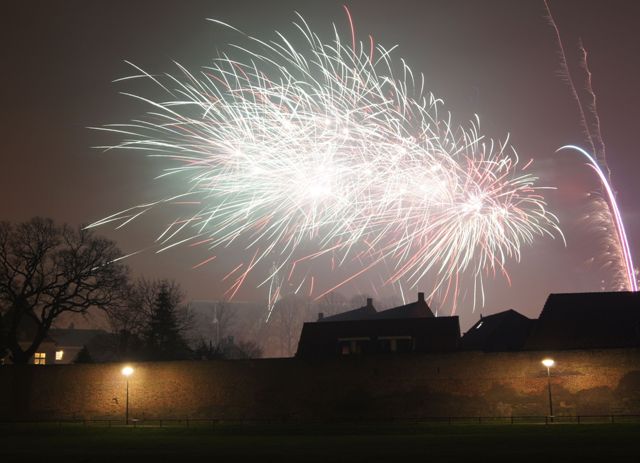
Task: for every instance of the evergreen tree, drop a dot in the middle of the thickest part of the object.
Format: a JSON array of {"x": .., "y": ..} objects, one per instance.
[
  {"x": 164, "y": 340},
  {"x": 83, "y": 356}
]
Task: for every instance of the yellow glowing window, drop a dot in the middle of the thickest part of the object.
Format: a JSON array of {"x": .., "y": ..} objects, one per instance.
[
  {"x": 40, "y": 358},
  {"x": 59, "y": 354}
]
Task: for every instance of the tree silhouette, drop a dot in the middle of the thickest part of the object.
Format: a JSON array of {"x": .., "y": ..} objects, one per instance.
[
  {"x": 47, "y": 270},
  {"x": 83, "y": 356},
  {"x": 164, "y": 340},
  {"x": 139, "y": 324}
]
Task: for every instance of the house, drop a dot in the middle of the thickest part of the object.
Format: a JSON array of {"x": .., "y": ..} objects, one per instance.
[
  {"x": 500, "y": 332},
  {"x": 70, "y": 341},
  {"x": 47, "y": 351},
  {"x": 408, "y": 328},
  {"x": 60, "y": 346},
  {"x": 45, "y": 355},
  {"x": 587, "y": 321}
]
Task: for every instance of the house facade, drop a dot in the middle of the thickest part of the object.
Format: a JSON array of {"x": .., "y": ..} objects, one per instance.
[
  {"x": 408, "y": 328},
  {"x": 568, "y": 321}
]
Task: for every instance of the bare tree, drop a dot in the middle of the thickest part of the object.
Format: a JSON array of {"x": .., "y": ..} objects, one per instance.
[
  {"x": 249, "y": 350},
  {"x": 289, "y": 314},
  {"x": 47, "y": 270},
  {"x": 228, "y": 348},
  {"x": 332, "y": 303}
]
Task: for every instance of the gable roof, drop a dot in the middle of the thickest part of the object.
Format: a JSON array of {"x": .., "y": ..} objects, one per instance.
[
  {"x": 418, "y": 309},
  {"x": 365, "y": 312},
  {"x": 72, "y": 337},
  {"x": 503, "y": 331},
  {"x": 588, "y": 320}
]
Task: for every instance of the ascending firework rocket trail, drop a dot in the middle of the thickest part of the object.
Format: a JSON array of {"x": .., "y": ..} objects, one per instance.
[
  {"x": 606, "y": 215},
  {"x": 334, "y": 151}
]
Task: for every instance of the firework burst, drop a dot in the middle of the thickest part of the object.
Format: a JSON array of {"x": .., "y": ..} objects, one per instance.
[{"x": 331, "y": 149}]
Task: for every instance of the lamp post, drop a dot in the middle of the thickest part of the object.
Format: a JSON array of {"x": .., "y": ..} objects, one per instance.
[
  {"x": 548, "y": 362},
  {"x": 216, "y": 322},
  {"x": 127, "y": 371}
]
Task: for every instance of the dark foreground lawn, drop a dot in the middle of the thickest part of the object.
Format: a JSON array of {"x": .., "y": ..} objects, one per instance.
[{"x": 349, "y": 443}]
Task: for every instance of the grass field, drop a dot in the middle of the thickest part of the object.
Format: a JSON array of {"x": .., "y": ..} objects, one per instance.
[{"x": 349, "y": 443}]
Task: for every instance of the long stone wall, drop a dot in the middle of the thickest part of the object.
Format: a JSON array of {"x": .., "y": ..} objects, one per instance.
[{"x": 380, "y": 387}]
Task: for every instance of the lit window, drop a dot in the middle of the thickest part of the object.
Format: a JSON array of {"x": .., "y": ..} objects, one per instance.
[
  {"x": 40, "y": 358},
  {"x": 59, "y": 354}
]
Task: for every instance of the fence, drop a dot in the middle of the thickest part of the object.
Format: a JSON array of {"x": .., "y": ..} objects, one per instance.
[{"x": 426, "y": 421}]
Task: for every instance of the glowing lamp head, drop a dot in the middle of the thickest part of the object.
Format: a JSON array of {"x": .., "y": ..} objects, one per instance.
[
  {"x": 127, "y": 371},
  {"x": 548, "y": 363}
]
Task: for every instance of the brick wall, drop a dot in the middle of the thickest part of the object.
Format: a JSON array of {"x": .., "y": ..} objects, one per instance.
[{"x": 401, "y": 386}]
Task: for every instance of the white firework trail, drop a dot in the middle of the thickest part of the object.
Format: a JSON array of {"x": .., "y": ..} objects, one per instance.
[{"x": 334, "y": 150}]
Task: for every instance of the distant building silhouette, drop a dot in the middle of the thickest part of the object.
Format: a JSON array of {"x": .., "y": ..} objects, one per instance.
[
  {"x": 408, "y": 328},
  {"x": 70, "y": 341},
  {"x": 500, "y": 332},
  {"x": 567, "y": 321},
  {"x": 418, "y": 309},
  {"x": 587, "y": 321},
  {"x": 62, "y": 345}
]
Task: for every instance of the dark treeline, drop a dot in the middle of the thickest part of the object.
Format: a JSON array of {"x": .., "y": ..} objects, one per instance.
[
  {"x": 49, "y": 270},
  {"x": 155, "y": 325}
]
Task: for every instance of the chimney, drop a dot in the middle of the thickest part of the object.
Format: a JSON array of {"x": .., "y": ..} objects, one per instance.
[
  {"x": 369, "y": 303},
  {"x": 420, "y": 297},
  {"x": 320, "y": 316}
]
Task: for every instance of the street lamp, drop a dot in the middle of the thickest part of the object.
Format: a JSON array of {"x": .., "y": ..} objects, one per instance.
[
  {"x": 548, "y": 362},
  {"x": 216, "y": 322},
  {"x": 127, "y": 371}
]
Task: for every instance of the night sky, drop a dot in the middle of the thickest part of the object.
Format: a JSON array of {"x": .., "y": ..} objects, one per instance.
[{"x": 494, "y": 58}]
